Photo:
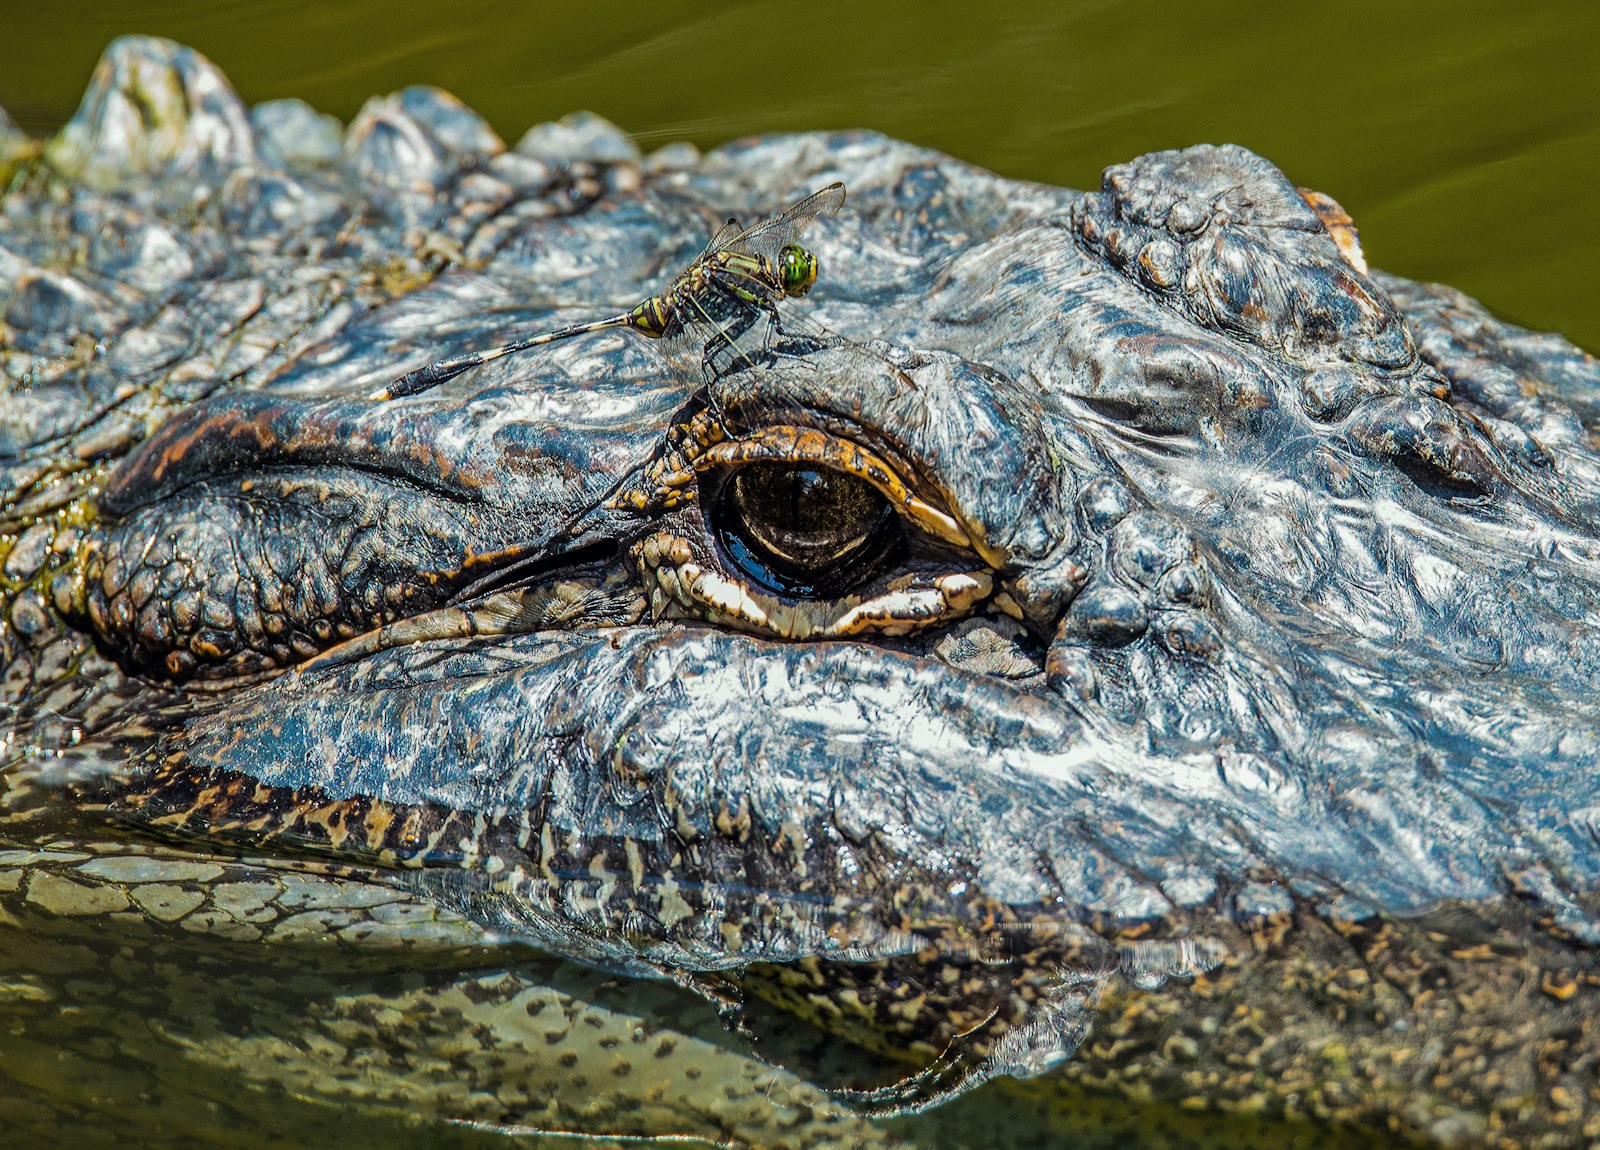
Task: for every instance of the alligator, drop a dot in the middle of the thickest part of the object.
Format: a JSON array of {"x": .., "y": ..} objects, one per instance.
[{"x": 1115, "y": 649}]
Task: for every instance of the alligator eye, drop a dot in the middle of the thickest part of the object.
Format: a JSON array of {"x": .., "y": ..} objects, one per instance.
[{"x": 805, "y": 531}]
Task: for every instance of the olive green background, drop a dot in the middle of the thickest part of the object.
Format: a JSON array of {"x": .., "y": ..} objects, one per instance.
[{"x": 1464, "y": 136}]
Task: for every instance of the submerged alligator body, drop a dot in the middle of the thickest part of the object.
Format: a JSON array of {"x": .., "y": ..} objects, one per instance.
[{"x": 1118, "y": 635}]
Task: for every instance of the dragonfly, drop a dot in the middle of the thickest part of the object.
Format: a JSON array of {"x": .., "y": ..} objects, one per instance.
[{"x": 733, "y": 283}]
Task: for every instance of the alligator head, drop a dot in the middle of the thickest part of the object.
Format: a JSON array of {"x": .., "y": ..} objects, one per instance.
[{"x": 1096, "y": 589}]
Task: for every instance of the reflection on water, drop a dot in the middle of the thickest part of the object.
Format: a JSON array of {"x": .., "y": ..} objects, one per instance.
[
  {"x": 183, "y": 999},
  {"x": 1461, "y": 135}
]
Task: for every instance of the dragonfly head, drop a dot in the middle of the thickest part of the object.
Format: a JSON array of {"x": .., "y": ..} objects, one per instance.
[{"x": 798, "y": 267}]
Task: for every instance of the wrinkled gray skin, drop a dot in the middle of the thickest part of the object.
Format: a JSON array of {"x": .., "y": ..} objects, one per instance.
[{"x": 1265, "y": 758}]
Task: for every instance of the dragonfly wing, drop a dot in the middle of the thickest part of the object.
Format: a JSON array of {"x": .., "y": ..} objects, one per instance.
[
  {"x": 711, "y": 330},
  {"x": 720, "y": 239},
  {"x": 769, "y": 236}
]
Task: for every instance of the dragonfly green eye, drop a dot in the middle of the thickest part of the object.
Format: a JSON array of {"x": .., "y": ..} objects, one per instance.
[{"x": 798, "y": 268}]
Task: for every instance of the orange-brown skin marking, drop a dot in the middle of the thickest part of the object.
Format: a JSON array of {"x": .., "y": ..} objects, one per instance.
[
  {"x": 1339, "y": 224},
  {"x": 179, "y": 448}
]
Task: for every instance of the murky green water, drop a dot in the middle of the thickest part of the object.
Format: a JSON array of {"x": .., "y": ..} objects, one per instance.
[{"x": 1464, "y": 135}]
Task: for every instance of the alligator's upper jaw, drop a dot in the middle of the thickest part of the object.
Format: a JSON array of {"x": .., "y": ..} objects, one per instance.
[{"x": 832, "y": 778}]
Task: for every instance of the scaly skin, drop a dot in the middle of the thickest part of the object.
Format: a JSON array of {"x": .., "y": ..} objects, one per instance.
[{"x": 1207, "y": 720}]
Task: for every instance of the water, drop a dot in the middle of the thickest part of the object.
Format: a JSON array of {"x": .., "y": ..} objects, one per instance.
[
  {"x": 231, "y": 1002},
  {"x": 1461, "y": 134}
]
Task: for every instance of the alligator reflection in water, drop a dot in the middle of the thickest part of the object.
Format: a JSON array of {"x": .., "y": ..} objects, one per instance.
[{"x": 1146, "y": 636}]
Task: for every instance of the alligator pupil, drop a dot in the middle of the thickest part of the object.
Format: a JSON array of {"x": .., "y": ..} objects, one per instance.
[{"x": 803, "y": 530}]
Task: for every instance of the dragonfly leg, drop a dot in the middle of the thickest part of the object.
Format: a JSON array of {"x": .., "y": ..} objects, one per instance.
[
  {"x": 724, "y": 345},
  {"x": 728, "y": 347}
]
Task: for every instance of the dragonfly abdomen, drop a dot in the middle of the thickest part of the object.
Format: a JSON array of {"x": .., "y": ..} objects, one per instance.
[{"x": 651, "y": 317}]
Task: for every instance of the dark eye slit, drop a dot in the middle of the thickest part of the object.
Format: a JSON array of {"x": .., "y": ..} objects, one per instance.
[{"x": 523, "y": 572}]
